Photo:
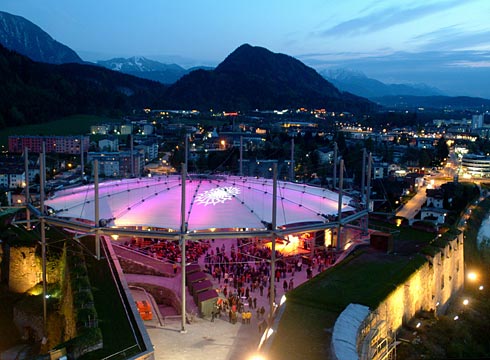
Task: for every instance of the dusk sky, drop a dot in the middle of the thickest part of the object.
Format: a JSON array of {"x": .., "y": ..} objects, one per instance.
[{"x": 361, "y": 34}]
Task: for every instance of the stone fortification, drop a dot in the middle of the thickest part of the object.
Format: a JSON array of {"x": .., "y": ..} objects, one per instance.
[{"x": 429, "y": 288}]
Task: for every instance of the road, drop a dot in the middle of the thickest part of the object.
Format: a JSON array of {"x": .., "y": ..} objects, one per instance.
[{"x": 413, "y": 206}]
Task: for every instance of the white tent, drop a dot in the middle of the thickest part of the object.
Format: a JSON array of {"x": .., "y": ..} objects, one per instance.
[{"x": 219, "y": 203}]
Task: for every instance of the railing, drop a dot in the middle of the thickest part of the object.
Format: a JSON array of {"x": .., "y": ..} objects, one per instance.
[{"x": 122, "y": 353}]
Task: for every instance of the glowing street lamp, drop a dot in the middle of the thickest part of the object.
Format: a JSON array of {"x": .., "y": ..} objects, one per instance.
[
  {"x": 472, "y": 276},
  {"x": 466, "y": 302},
  {"x": 257, "y": 357}
]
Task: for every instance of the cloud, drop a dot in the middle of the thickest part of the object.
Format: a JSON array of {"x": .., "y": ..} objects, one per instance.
[
  {"x": 471, "y": 64},
  {"x": 386, "y": 18},
  {"x": 453, "y": 38}
]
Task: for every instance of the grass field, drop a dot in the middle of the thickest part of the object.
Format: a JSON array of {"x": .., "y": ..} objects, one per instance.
[{"x": 71, "y": 125}]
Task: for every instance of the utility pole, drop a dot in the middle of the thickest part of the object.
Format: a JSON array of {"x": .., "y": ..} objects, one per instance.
[
  {"x": 368, "y": 186},
  {"x": 132, "y": 155},
  {"x": 26, "y": 192},
  {"x": 341, "y": 184},
  {"x": 335, "y": 156},
  {"x": 363, "y": 177},
  {"x": 241, "y": 157},
  {"x": 96, "y": 213},
  {"x": 42, "y": 179},
  {"x": 82, "y": 165},
  {"x": 186, "y": 150},
  {"x": 183, "y": 230},
  {"x": 291, "y": 169},
  {"x": 273, "y": 244}
]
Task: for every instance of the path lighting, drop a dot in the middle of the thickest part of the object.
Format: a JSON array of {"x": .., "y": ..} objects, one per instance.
[
  {"x": 283, "y": 300},
  {"x": 466, "y": 302},
  {"x": 257, "y": 357},
  {"x": 481, "y": 288},
  {"x": 472, "y": 276},
  {"x": 418, "y": 325},
  {"x": 456, "y": 318}
]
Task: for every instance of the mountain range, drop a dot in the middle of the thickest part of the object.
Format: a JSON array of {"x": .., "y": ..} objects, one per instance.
[
  {"x": 148, "y": 69},
  {"x": 249, "y": 78},
  {"x": 58, "y": 83},
  {"x": 35, "y": 92},
  {"x": 26, "y": 38},
  {"x": 358, "y": 83}
]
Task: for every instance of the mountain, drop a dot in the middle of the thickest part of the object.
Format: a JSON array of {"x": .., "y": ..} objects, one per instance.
[
  {"x": 34, "y": 92},
  {"x": 256, "y": 78},
  {"x": 148, "y": 69},
  {"x": 358, "y": 83},
  {"x": 145, "y": 68},
  {"x": 26, "y": 38}
]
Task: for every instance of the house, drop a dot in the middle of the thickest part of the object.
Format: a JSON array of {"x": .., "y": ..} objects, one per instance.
[
  {"x": 109, "y": 144},
  {"x": 436, "y": 215},
  {"x": 12, "y": 177},
  {"x": 435, "y": 198}
]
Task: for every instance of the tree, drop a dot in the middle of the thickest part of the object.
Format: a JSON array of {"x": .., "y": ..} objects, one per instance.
[{"x": 442, "y": 150}]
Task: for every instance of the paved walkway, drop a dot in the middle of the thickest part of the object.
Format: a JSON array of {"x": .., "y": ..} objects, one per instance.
[{"x": 204, "y": 339}]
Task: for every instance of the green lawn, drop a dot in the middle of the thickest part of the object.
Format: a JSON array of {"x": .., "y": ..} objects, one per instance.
[
  {"x": 71, "y": 125},
  {"x": 362, "y": 278}
]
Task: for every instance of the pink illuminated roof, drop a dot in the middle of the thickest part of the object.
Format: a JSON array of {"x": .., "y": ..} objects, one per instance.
[{"x": 219, "y": 202}]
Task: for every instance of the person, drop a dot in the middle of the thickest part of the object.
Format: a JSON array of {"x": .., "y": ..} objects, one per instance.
[
  {"x": 255, "y": 302},
  {"x": 285, "y": 285},
  {"x": 262, "y": 311},
  {"x": 291, "y": 284},
  {"x": 174, "y": 266}
]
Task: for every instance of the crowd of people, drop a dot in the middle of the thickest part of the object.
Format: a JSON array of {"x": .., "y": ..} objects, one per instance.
[
  {"x": 169, "y": 251},
  {"x": 240, "y": 269}
]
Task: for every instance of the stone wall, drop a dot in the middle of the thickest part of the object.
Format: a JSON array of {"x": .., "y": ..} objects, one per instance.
[
  {"x": 24, "y": 269},
  {"x": 430, "y": 288},
  {"x": 162, "y": 295},
  {"x": 67, "y": 308},
  {"x": 134, "y": 267}
]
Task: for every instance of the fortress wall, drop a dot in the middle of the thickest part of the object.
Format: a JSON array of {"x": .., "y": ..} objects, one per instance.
[{"x": 430, "y": 288}]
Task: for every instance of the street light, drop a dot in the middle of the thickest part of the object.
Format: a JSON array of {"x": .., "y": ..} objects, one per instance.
[
  {"x": 472, "y": 276},
  {"x": 257, "y": 357}
]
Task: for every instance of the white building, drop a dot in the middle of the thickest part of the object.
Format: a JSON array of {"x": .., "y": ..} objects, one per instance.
[
  {"x": 476, "y": 121},
  {"x": 126, "y": 129},
  {"x": 12, "y": 178},
  {"x": 110, "y": 144},
  {"x": 436, "y": 215},
  {"x": 147, "y": 129},
  {"x": 99, "y": 129}
]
